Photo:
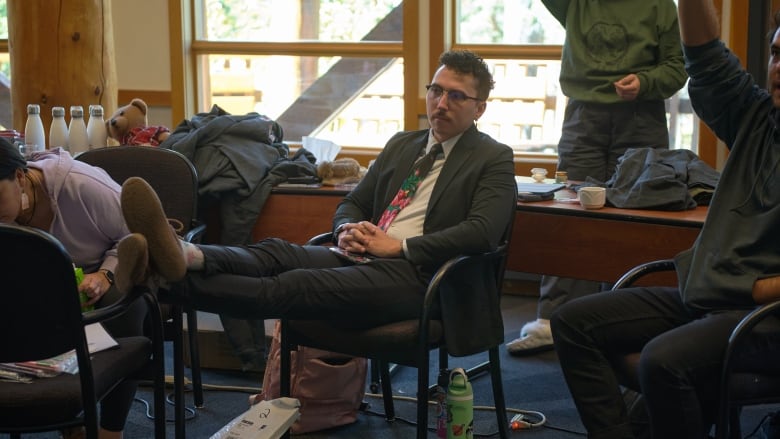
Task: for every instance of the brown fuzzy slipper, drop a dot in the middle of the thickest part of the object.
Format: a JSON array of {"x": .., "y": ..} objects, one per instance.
[
  {"x": 133, "y": 262},
  {"x": 144, "y": 214}
]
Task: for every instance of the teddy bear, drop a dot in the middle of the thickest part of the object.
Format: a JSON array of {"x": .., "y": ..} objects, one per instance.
[{"x": 129, "y": 126}]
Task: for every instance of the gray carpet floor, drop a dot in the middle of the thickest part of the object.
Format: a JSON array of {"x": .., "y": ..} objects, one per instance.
[{"x": 531, "y": 383}]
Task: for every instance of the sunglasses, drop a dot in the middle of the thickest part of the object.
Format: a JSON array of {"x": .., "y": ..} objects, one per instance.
[{"x": 456, "y": 96}]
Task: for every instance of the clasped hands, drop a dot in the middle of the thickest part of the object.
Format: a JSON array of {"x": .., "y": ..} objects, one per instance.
[{"x": 365, "y": 237}]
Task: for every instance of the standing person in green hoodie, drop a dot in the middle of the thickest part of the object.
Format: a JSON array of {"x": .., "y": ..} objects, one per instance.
[{"x": 621, "y": 59}]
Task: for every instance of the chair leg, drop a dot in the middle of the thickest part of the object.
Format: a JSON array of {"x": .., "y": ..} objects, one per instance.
[
  {"x": 422, "y": 396},
  {"x": 178, "y": 375},
  {"x": 475, "y": 371},
  {"x": 735, "y": 425},
  {"x": 284, "y": 363},
  {"x": 498, "y": 393},
  {"x": 375, "y": 377},
  {"x": 443, "y": 377},
  {"x": 376, "y": 374},
  {"x": 159, "y": 395},
  {"x": 387, "y": 390},
  {"x": 158, "y": 369},
  {"x": 197, "y": 380}
]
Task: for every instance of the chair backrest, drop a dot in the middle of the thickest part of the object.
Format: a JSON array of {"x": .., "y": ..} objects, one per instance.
[
  {"x": 41, "y": 313},
  {"x": 470, "y": 299},
  {"x": 169, "y": 173}
]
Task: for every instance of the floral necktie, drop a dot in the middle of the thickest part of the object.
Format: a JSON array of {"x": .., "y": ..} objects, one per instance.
[{"x": 409, "y": 187}]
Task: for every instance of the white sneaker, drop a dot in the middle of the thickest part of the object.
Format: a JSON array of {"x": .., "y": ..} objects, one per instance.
[{"x": 534, "y": 337}]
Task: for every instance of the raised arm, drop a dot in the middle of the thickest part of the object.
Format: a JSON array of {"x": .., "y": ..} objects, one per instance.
[{"x": 698, "y": 22}]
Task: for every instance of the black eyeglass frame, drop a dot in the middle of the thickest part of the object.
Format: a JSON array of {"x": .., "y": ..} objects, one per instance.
[{"x": 458, "y": 96}]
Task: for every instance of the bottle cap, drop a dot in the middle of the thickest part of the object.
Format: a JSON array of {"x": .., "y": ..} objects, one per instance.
[
  {"x": 33, "y": 109},
  {"x": 58, "y": 111},
  {"x": 96, "y": 110},
  {"x": 76, "y": 111}
]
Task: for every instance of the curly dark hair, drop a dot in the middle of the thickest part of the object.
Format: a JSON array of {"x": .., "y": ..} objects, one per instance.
[{"x": 469, "y": 63}]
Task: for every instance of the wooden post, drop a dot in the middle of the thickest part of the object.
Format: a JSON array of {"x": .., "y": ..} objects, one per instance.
[{"x": 62, "y": 54}]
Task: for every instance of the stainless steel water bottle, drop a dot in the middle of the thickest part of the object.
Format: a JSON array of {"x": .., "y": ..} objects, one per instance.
[{"x": 460, "y": 406}]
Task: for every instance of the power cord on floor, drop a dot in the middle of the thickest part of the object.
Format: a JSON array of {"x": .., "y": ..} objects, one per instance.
[
  {"x": 190, "y": 412},
  {"x": 522, "y": 420}
]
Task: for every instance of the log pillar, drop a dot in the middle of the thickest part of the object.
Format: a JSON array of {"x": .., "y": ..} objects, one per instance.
[{"x": 62, "y": 54}]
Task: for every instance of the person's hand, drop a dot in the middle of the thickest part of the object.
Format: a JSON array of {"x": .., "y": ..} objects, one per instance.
[
  {"x": 766, "y": 290},
  {"x": 365, "y": 237},
  {"x": 94, "y": 285},
  {"x": 350, "y": 238},
  {"x": 376, "y": 242},
  {"x": 628, "y": 87}
]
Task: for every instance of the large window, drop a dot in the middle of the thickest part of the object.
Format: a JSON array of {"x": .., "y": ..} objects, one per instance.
[
  {"x": 324, "y": 68},
  {"x": 353, "y": 70},
  {"x": 527, "y": 106},
  {"x": 313, "y": 66}
]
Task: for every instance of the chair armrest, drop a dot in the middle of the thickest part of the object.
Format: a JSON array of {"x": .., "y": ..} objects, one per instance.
[
  {"x": 746, "y": 326},
  {"x": 118, "y": 307},
  {"x": 321, "y": 239},
  {"x": 743, "y": 329},
  {"x": 632, "y": 275},
  {"x": 452, "y": 266},
  {"x": 195, "y": 235},
  {"x": 454, "y": 301}
]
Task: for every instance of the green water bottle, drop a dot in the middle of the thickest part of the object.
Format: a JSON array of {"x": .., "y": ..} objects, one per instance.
[
  {"x": 82, "y": 296},
  {"x": 460, "y": 406}
]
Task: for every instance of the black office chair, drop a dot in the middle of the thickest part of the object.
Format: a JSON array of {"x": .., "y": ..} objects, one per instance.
[
  {"x": 459, "y": 303},
  {"x": 41, "y": 317},
  {"x": 175, "y": 181},
  {"x": 740, "y": 384}
]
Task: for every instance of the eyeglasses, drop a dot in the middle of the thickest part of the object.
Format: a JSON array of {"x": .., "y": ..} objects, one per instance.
[{"x": 456, "y": 96}]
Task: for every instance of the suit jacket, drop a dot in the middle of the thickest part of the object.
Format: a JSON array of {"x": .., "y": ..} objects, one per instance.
[
  {"x": 471, "y": 202},
  {"x": 470, "y": 211}
]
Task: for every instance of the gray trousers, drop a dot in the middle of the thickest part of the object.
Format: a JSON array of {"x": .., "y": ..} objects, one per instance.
[{"x": 594, "y": 137}]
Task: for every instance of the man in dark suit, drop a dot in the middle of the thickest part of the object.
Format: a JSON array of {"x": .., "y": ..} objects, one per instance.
[{"x": 463, "y": 205}]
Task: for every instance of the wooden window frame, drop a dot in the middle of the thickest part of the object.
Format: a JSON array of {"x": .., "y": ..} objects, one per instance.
[{"x": 437, "y": 17}]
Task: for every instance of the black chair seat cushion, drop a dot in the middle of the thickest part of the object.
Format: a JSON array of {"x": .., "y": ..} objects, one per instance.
[
  {"x": 21, "y": 405},
  {"x": 754, "y": 388},
  {"x": 395, "y": 341}
]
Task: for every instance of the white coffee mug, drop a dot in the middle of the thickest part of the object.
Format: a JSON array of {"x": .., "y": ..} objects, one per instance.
[{"x": 592, "y": 197}]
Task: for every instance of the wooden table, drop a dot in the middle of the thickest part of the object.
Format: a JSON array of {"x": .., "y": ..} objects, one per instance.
[
  {"x": 562, "y": 238},
  {"x": 549, "y": 237},
  {"x": 297, "y": 214}
]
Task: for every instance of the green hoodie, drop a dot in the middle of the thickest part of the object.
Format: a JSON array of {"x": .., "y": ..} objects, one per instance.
[{"x": 609, "y": 39}]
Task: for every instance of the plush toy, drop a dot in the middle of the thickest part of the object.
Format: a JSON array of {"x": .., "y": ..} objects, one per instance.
[
  {"x": 129, "y": 126},
  {"x": 340, "y": 171}
]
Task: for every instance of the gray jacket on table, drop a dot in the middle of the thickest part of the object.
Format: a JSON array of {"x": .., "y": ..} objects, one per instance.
[
  {"x": 235, "y": 156},
  {"x": 661, "y": 179}
]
